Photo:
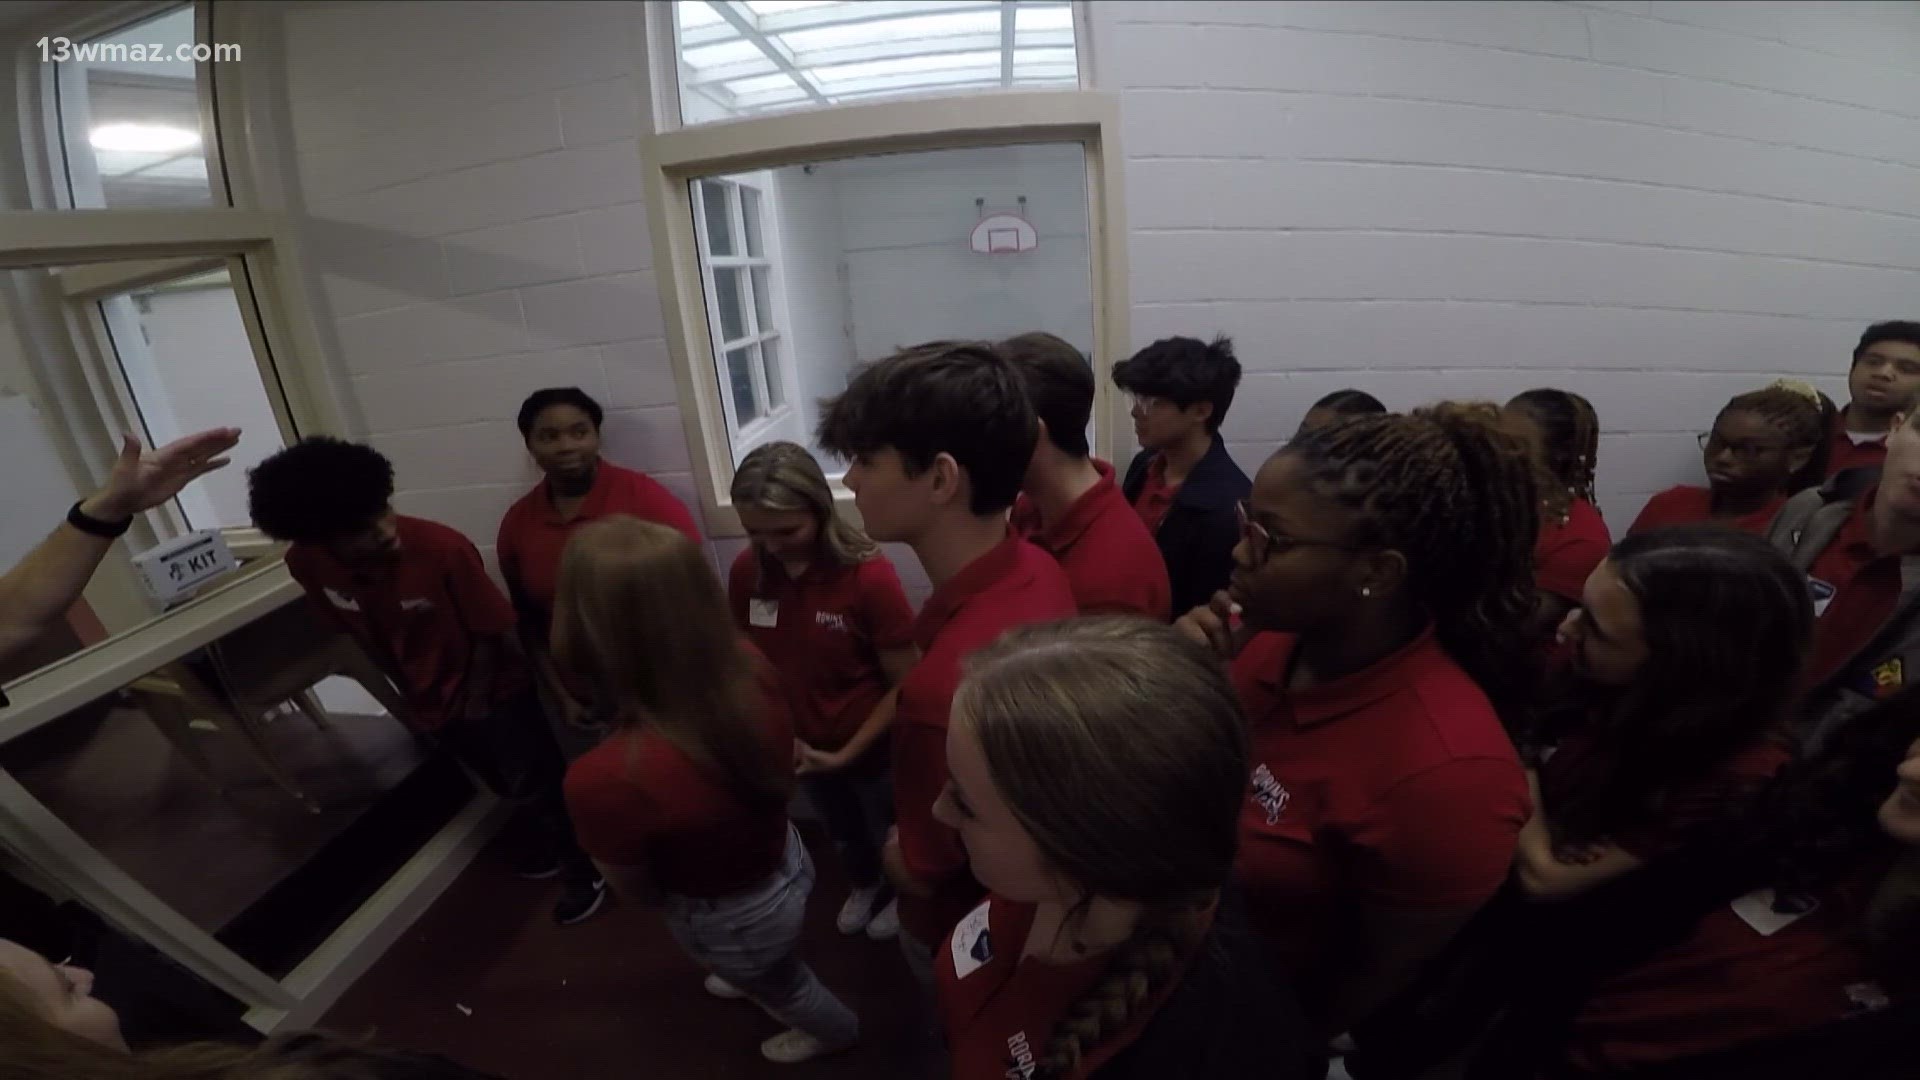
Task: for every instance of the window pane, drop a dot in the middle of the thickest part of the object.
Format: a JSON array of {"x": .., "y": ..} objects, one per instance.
[
  {"x": 874, "y": 253},
  {"x": 130, "y": 123},
  {"x": 763, "y": 298},
  {"x": 817, "y": 54},
  {"x": 732, "y": 305},
  {"x": 776, "y": 389},
  {"x": 750, "y": 219},
  {"x": 740, "y": 382},
  {"x": 713, "y": 201},
  {"x": 183, "y": 350}
]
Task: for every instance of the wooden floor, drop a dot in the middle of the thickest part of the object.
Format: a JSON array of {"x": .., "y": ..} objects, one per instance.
[{"x": 486, "y": 978}]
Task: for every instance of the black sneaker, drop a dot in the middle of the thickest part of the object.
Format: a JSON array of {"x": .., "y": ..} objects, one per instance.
[
  {"x": 536, "y": 866},
  {"x": 580, "y": 902}
]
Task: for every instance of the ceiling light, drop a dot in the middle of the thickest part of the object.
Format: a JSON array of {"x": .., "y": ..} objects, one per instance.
[{"x": 143, "y": 138}]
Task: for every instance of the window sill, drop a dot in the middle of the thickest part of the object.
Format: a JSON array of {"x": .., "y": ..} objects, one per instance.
[{"x": 59, "y": 688}]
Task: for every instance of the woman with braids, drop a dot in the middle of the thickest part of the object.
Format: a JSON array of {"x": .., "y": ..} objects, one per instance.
[
  {"x": 1096, "y": 770},
  {"x": 1383, "y": 578},
  {"x": 1573, "y": 538},
  {"x": 1765, "y": 445}
]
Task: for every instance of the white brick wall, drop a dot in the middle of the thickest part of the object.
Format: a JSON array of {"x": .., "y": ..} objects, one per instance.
[{"x": 1656, "y": 205}]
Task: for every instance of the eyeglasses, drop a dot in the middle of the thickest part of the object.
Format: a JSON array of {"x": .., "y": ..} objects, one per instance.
[
  {"x": 1264, "y": 543},
  {"x": 1146, "y": 402},
  {"x": 1745, "y": 450}
]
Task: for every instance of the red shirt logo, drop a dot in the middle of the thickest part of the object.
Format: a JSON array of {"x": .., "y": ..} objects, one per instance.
[{"x": 1269, "y": 794}]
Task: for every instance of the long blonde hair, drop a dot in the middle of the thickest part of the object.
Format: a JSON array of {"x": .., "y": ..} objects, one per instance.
[
  {"x": 641, "y": 620},
  {"x": 32, "y": 1047},
  {"x": 785, "y": 476},
  {"x": 1120, "y": 747}
]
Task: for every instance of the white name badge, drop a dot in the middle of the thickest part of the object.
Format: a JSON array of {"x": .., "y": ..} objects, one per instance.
[
  {"x": 1768, "y": 915},
  {"x": 1822, "y": 595},
  {"x": 763, "y": 613},
  {"x": 970, "y": 944}
]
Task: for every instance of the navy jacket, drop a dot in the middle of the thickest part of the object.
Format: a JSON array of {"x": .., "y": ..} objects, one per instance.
[{"x": 1197, "y": 536}]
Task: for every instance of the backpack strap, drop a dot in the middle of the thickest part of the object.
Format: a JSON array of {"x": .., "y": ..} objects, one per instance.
[{"x": 1808, "y": 522}]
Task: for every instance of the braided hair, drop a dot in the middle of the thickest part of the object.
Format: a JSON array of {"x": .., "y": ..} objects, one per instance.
[
  {"x": 1452, "y": 490},
  {"x": 1803, "y": 415},
  {"x": 1120, "y": 747},
  {"x": 1570, "y": 438}
]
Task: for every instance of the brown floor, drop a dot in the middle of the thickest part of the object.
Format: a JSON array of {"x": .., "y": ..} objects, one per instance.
[
  {"x": 114, "y": 779},
  {"x": 611, "y": 998}
]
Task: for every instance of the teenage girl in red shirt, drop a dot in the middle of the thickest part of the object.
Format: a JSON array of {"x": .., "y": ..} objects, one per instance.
[
  {"x": 1096, "y": 770},
  {"x": 1765, "y": 445},
  {"x": 684, "y": 806},
  {"x": 1382, "y": 577},
  {"x": 1573, "y": 537},
  {"x": 818, "y": 598}
]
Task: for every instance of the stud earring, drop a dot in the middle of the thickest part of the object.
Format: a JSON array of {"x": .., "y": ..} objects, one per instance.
[{"x": 1366, "y": 590}]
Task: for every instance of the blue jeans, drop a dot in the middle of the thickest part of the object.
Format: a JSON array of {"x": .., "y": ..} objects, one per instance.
[
  {"x": 857, "y": 811},
  {"x": 751, "y": 939}
]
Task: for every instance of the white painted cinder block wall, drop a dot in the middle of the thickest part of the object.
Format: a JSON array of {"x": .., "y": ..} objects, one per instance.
[{"x": 1655, "y": 205}]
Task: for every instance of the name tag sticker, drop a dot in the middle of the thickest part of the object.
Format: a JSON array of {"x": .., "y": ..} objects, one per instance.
[
  {"x": 763, "y": 613},
  {"x": 970, "y": 944},
  {"x": 1822, "y": 595},
  {"x": 1769, "y": 914}
]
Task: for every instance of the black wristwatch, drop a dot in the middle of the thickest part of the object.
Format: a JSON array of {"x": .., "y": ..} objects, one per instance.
[{"x": 93, "y": 526}]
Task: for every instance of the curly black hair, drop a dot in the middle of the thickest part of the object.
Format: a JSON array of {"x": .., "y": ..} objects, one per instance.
[{"x": 319, "y": 489}]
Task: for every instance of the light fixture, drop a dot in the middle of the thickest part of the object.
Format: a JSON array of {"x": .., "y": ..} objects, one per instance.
[{"x": 143, "y": 138}]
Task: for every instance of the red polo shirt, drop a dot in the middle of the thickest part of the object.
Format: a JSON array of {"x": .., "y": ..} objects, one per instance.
[
  {"x": 1686, "y": 504},
  {"x": 1856, "y": 612},
  {"x": 999, "y": 1006},
  {"x": 1394, "y": 787},
  {"x": 824, "y": 633},
  {"x": 419, "y": 614},
  {"x": 1728, "y": 983},
  {"x": 1566, "y": 553},
  {"x": 1109, "y": 555},
  {"x": 1850, "y": 549},
  {"x": 1012, "y": 585},
  {"x": 1844, "y": 453},
  {"x": 639, "y": 800},
  {"x": 532, "y": 536},
  {"x": 1156, "y": 495}
]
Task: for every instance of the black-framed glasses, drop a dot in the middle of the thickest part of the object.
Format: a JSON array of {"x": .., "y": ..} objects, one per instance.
[
  {"x": 1264, "y": 543},
  {"x": 1744, "y": 449}
]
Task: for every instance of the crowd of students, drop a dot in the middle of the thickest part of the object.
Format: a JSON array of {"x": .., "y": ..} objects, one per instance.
[{"x": 1388, "y": 752}]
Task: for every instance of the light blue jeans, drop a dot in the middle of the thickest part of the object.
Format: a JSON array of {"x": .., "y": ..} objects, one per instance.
[{"x": 751, "y": 939}]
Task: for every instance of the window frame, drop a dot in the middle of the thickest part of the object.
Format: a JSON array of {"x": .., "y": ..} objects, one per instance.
[
  {"x": 112, "y": 250},
  {"x": 673, "y": 155},
  {"x": 769, "y": 412}
]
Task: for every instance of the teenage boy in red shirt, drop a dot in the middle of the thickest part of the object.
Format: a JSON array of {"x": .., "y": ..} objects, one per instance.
[
  {"x": 1070, "y": 505},
  {"x": 938, "y": 438},
  {"x": 1884, "y": 375},
  {"x": 417, "y": 598}
]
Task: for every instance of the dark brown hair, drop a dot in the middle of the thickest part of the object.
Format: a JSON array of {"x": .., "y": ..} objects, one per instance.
[{"x": 1060, "y": 384}]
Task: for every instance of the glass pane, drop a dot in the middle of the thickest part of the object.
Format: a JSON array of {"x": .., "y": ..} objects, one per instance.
[
  {"x": 864, "y": 242},
  {"x": 750, "y": 219},
  {"x": 740, "y": 383},
  {"x": 183, "y": 350},
  {"x": 727, "y": 296},
  {"x": 129, "y": 116},
  {"x": 763, "y": 299},
  {"x": 776, "y": 387},
  {"x": 814, "y": 54},
  {"x": 713, "y": 201}
]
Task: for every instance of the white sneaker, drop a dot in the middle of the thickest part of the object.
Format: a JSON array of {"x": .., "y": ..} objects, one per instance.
[
  {"x": 857, "y": 912},
  {"x": 723, "y": 989},
  {"x": 793, "y": 1046},
  {"x": 886, "y": 925}
]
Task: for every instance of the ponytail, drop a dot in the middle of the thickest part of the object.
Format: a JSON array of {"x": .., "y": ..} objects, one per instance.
[{"x": 1164, "y": 938}]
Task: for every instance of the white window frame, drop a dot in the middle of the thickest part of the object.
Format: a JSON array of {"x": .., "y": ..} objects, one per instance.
[
  {"x": 673, "y": 155},
  {"x": 771, "y": 391},
  {"x": 108, "y": 251}
]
